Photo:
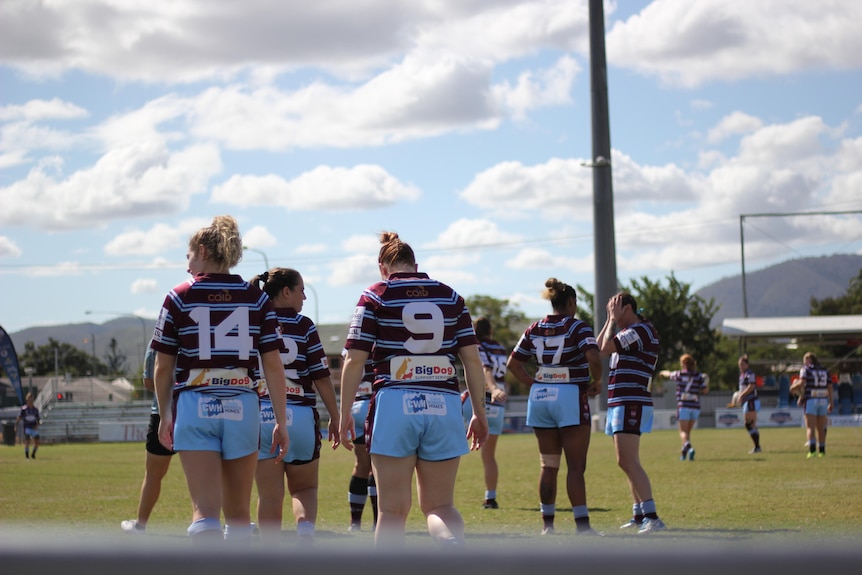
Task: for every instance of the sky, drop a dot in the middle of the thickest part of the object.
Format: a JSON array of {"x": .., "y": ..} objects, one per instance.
[{"x": 463, "y": 125}]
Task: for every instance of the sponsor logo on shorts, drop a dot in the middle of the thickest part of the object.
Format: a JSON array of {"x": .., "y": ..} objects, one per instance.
[
  {"x": 218, "y": 408},
  {"x": 541, "y": 393},
  {"x": 422, "y": 368},
  {"x": 420, "y": 403},
  {"x": 267, "y": 415}
]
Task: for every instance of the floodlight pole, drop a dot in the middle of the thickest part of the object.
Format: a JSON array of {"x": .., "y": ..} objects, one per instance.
[{"x": 603, "y": 199}]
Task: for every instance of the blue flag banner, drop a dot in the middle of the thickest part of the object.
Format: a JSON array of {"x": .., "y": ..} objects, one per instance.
[{"x": 9, "y": 361}]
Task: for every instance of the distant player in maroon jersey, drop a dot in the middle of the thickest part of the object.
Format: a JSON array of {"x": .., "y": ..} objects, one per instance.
[
  {"x": 749, "y": 401},
  {"x": 632, "y": 343},
  {"x": 29, "y": 415},
  {"x": 362, "y": 486},
  {"x": 690, "y": 383},
  {"x": 307, "y": 371},
  {"x": 816, "y": 400},
  {"x": 413, "y": 328},
  {"x": 493, "y": 356},
  {"x": 209, "y": 334},
  {"x": 568, "y": 371}
]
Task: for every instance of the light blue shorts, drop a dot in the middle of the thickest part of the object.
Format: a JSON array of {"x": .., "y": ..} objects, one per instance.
[
  {"x": 302, "y": 428},
  {"x": 632, "y": 418},
  {"x": 552, "y": 405},
  {"x": 425, "y": 423},
  {"x": 751, "y": 406},
  {"x": 494, "y": 413},
  {"x": 359, "y": 410},
  {"x": 31, "y": 432},
  {"x": 817, "y": 406},
  {"x": 687, "y": 413},
  {"x": 222, "y": 420}
]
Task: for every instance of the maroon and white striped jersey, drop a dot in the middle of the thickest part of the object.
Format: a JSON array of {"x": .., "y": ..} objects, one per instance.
[
  {"x": 413, "y": 327},
  {"x": 632, "y": 364},
  {"x": 302, "y": 355},
  {"x": 558, "y": 343},
  {"x": 216, "y": 325}
]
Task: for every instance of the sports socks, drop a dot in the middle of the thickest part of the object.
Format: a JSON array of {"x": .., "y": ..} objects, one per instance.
[
  {"x": 548, "y": 512},
  {"x": 754, "y": 433},
  {"x": 648, "y": 508},
  {"x": 582, "y": 517},
  {"x": 357, "y": 493},
  {"x": 637, "y": 513},
  {"x": 372, "y": 495}
]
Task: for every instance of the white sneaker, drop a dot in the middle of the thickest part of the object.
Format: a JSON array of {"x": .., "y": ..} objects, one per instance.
[
  {"x": 132, "y": 528},
  {"x": 651, "y": 526},
  {"x": 630, "y": 524}
]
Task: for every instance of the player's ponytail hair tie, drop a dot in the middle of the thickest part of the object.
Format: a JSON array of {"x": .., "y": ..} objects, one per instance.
[{"x": 262, "y": 278}]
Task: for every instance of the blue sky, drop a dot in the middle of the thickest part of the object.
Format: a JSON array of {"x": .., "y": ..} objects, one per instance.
[{"x": 460, "y": 124}]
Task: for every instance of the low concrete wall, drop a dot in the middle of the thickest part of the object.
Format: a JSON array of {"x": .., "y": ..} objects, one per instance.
[{"x": 118, "y": 431}]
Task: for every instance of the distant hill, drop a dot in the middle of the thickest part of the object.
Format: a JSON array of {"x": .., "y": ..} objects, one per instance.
[
  {"x": 783, "y": 289},
  {"x": 131, "y": 335}
]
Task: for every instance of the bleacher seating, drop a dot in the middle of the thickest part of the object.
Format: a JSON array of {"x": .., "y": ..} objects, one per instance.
[{"x": 79, "y": 422}]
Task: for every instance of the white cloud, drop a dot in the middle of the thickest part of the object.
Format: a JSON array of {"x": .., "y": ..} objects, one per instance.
[
  {"x": 537, "y": 259},
  {"x": 355, "y": 269},
  {"x": 158, "y": 239},
  {"x": 558, "y": 188},
  {"x": 551, "y": 87},
  {"x": 690, "y": 43},
  {"x": 471, "y": 233},
  {"x": 734, "y": 124},
  {"x": 130, "y": 182},
  {"x": 34, "y": 110},
  {"x": 8, "y": 249},
  {"x": 362, "y": 187},
  {"x": 144, "y": 286},
  {"x": 259, "y": 237},
  {"x": 140, "y": 42},
  {"x": 362, "y": 244}
]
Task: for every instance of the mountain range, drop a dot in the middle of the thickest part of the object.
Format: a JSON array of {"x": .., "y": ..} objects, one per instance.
[{"x": 783, "y": 289}]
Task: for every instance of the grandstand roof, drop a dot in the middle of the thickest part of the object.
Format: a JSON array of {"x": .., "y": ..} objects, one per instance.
[{"x": 838, "y": 329}]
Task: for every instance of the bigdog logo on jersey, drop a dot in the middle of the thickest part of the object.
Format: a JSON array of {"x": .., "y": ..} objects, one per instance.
[
  {"x": 552, "y": 374},
  {"x": 420, "y": 403},
  {"x": 421, "y": 367},
  {"x": 218, "y": 408},
  {"x": 205, "y": 377}
]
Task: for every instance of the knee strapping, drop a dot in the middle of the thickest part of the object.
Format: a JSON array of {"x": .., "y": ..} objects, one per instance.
[{"x": 550, "y": 460}]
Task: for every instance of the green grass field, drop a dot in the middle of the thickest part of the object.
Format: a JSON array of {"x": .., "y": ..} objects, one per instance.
[{"x": 726, "y": 494}]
